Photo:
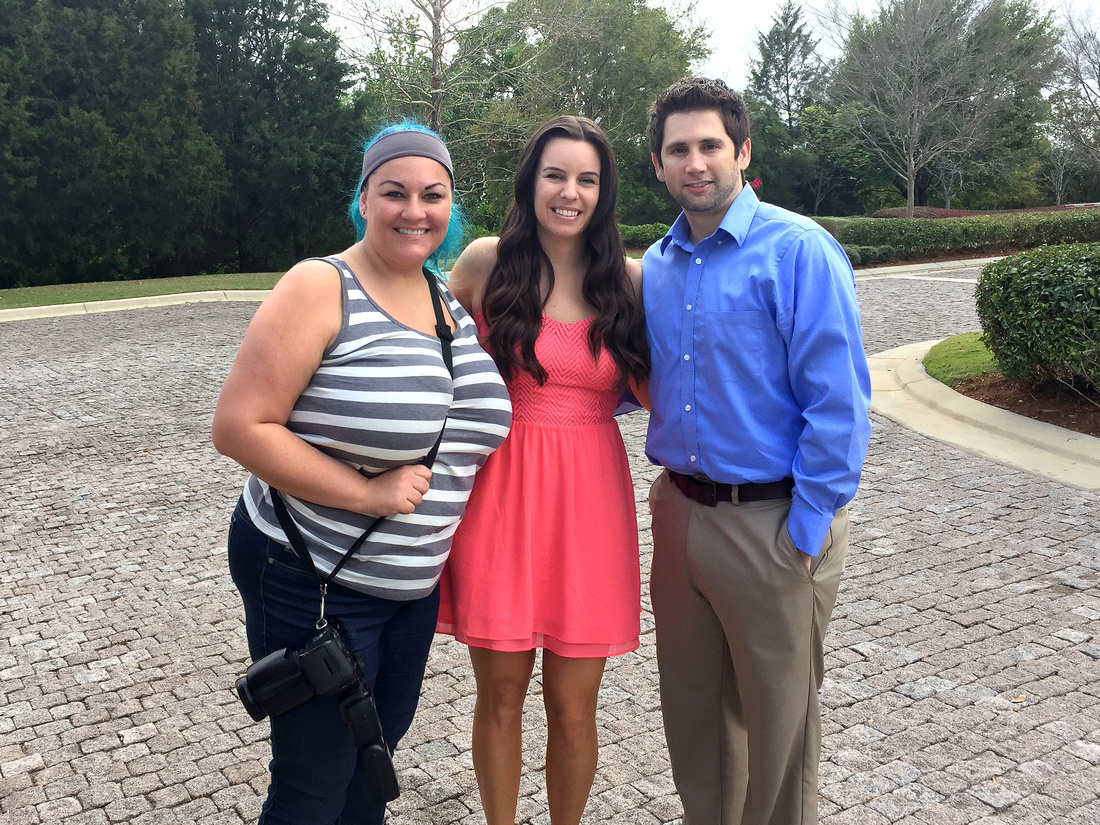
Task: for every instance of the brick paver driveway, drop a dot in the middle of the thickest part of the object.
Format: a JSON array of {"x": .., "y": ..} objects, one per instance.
[{"x": 963, "y": 682}]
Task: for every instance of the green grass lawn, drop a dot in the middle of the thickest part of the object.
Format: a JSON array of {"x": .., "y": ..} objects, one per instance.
[
  {"x": 37, "y": 296},
  {"x": 959, "y": 357}
]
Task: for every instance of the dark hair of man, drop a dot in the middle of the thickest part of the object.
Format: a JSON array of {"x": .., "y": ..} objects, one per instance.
[
  {"x": 514, "y": 300},
  {"x": 698, "y": 94}
]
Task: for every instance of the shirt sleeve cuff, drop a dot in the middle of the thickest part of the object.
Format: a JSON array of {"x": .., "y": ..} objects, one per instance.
[{"x": 807, "y": 527}]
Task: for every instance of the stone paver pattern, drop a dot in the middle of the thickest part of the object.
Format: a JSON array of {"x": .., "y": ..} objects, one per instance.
[{"x": 963, "y": 681}]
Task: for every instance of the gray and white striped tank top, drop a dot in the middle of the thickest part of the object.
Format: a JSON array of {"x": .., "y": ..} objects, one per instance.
[{"x": 377, "y": 401}]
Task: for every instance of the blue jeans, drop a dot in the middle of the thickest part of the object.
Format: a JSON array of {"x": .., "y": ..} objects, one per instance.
[{"x": 316, "y": 775}]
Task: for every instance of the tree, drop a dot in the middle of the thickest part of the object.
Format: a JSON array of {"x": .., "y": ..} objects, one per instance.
[
  {"x": 788, "y": 74},
  {"x": 603, "y": 59},
  {"x": 845, "y": 177},
  {"x": 1077, "y": 99},
  {"x": 488, "y": 73},
  {"x": 942, "y": 77},
  {"x": 1056, "y": 168},
  {"x": 424, "y": 62},
  {"x": 105, "y": 166},
  {"x": 277, "y": 100}
]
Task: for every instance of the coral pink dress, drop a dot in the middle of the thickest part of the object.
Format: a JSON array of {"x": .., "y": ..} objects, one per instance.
[{"x": 547, "y": 553}]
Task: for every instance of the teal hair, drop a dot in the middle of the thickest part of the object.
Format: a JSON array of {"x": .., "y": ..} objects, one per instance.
[{"x": 448, "y": 251}]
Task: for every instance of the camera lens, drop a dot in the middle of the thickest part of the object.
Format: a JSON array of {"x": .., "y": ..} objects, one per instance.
[{"x": 273, "y": 685}]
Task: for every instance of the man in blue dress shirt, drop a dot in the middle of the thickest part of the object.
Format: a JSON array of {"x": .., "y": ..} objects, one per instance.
[{"x": 760, "y": 390}]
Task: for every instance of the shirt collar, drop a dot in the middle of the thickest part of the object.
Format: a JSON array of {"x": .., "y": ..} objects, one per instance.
[{"x": 735, "y": 223}]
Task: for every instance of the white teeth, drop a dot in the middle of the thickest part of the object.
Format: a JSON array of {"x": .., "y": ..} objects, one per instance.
[
  {"x": 412, "y": 231},
  {"x": 567, "y": 213}
]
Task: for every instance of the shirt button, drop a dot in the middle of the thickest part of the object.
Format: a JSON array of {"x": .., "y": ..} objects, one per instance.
[
  {"x": 691, "y": 458},
  {"x": 688, "y": 307},
  {"x": 687, "y": 407},
  {"x": 698, "y": 260},
  {"x": 687, "y": 357}
]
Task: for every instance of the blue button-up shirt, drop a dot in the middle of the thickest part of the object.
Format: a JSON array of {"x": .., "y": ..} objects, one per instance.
[{"x": 758, "y": 364}]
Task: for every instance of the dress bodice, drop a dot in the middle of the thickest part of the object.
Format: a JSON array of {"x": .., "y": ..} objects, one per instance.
[{"x": 579, "y": 389}]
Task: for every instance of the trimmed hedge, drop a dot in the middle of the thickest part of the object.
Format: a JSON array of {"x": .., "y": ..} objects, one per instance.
[
  {"x": 638, "y": 237},
  {"x": 882, "y": 240},
  {"x": 1040, "y": 314},
  {"x": 930, "y": 237},
  {"x": 869, "y": 254}
]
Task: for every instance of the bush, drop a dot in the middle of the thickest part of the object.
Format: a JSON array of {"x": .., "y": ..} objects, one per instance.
[
  {"x": 932, "y": 237},
  {"x": 869, "y": 254},
  {"x": 834, "y": 226},
  {"x": 1040, "y": 315},
  {"x": 637, "y": 237},
  {"x": 921, "y": 212}
]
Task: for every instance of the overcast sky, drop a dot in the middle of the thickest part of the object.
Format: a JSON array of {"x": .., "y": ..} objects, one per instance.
[{"x": 734, "y": 27}]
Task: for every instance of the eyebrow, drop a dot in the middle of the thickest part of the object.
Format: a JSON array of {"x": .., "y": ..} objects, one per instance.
[
  {"x": 401, "y": 185},
  {"x": 713, "y": 139},
  {"x": 552, "y": 168}
]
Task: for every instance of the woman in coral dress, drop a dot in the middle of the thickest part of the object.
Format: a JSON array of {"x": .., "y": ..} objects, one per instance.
[{"x": 547, "y": 555}]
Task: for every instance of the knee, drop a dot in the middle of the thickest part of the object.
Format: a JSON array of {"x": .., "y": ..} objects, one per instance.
[
  {"x": 572, "y": 718},
  {"x": 501, "y": 700}
]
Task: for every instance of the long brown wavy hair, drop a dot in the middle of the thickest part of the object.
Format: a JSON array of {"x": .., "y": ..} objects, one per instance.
[{"x": 512, "y": 305}]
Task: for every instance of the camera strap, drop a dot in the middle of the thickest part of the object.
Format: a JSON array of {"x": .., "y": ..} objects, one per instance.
[{"x": 294, "y": 535}]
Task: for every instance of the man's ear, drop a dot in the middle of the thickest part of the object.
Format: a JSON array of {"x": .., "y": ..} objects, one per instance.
[
  {"x": 746, "y": 155},
  {"x": 658, "y": 168}
]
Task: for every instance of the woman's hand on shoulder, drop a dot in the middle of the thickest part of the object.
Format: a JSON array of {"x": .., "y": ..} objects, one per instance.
[
  {"x": 470, "y": 273},
  {"x": 281, "y": 350}
]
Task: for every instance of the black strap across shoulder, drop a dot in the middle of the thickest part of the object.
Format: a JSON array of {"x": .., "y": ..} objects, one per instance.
[{"x": 293, "y": 534}]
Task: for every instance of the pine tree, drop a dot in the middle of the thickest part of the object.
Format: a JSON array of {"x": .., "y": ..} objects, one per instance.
[{"x": 788, "y": 75}]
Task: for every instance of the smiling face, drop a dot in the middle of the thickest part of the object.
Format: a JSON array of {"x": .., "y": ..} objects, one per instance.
[
  {"x": 567, "y": 187},
  {"x": 406, "y": 205},
  {"x": 701, "y": 167}
]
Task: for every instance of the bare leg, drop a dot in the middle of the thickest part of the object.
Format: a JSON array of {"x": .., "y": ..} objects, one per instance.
[
  {"x": 502, "y": 680},
  {"x": 570, "y": 688}
]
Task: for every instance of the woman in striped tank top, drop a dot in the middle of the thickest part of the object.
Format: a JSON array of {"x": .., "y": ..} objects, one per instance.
[{"x": 338, "y": 394}]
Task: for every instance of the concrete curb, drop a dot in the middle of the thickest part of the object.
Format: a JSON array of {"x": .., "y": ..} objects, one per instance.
[
  {"x": 902, "y": 391},
  {"x": 28, "y": 313},
  {"x": 923, "y": 270}
]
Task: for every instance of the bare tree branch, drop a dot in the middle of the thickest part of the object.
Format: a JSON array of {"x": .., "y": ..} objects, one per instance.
[{"x": 934, "y": 78}]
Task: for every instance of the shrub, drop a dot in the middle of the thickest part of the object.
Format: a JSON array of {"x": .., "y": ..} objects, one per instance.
[
  {"x": 931, "y": 237},
  {"x": 1040, "y": 314},
  {"x": 834, "y": 226},
  {"x": 642, "y": 236},
  {"x": 922, "y": 212},
  {"x": 869, "y": 254}
]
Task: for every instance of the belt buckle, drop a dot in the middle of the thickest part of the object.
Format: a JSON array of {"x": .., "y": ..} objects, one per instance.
[{"x": 706, "y": 491}]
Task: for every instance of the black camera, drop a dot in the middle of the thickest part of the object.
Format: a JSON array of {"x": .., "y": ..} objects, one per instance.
[
  {"x": 284, "y": 679},
  {"x": 324, "y": 667}
]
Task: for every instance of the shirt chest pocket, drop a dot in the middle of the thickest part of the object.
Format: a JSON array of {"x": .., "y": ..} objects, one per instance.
[{"x": 735, "y": 347}]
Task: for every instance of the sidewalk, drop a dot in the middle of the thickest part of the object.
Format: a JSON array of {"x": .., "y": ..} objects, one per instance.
[{"x": 963, "y": 668}]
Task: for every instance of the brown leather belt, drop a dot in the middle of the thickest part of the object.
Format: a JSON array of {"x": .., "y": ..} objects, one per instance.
[{"x": 708, "y": 492}]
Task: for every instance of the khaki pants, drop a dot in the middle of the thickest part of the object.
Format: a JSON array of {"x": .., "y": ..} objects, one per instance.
[{"x": 740, "y": 623}]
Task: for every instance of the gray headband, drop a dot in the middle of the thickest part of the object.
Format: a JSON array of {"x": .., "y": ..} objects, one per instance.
[{"x": 403, "y": 144}]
